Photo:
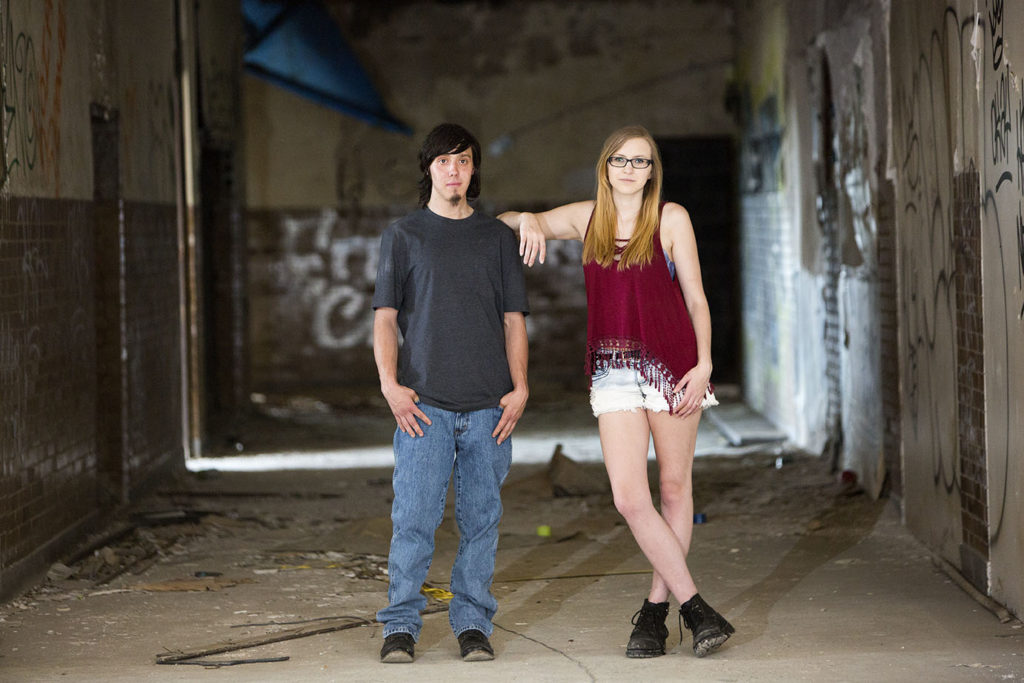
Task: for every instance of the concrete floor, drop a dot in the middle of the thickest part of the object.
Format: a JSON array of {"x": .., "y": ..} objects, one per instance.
[{"x": 822, "y": 584}]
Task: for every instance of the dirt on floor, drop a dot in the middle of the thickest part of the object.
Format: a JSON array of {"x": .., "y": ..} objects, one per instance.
[
  {"x": 212, "y": 531},
  {"x": 253, "y": 570}
]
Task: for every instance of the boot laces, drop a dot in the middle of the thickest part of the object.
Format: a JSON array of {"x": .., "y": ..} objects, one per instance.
[
  {"x": 690, "y": 619},
  {"x": 646, "y": 619}
]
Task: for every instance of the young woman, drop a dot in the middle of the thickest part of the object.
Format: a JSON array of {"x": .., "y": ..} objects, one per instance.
[{"x": 649, "y": 360}]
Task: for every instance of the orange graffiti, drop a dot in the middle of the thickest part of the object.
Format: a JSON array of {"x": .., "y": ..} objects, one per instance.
[{"x": 48, "y": 121}]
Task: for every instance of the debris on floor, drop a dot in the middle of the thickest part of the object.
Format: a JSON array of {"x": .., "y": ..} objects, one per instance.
[
  {"x": 203, "y": 583},
  {"x": 339, "y": 623},
  {"x": 351, "y": 565},
  {"x": 568, "y": 478}
]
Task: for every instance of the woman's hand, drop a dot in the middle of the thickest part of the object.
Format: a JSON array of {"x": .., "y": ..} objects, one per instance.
[
  {"x": 532, "y": 243},
  {"x": 693, "y": 385}
]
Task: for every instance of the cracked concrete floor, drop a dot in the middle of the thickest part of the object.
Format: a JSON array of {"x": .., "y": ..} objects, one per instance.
[{"x": 820, "y": 586}]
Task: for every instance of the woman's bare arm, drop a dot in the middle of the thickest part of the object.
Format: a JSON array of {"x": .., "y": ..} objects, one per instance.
[
  {"x": 568, "y": 222},
  {"x": 678, "y": 240}
]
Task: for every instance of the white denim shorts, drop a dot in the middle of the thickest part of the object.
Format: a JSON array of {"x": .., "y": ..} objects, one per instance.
[{"x": 623, "y": 389}]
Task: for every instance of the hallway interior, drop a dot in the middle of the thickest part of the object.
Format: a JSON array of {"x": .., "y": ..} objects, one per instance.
[
  {"x": 216, "y": 566},
  {"x": 193, "y": 444}
]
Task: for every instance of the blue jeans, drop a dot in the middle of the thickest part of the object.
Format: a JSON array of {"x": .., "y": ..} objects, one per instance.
[{"x": 423, "y": 466}]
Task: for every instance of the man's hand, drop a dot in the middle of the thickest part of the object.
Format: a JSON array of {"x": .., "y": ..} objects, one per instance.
[
  {"x": 402, "y": 401},
  {"x": 512, "y": 405}
]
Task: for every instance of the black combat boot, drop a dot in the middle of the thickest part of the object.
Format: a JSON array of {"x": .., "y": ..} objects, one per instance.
[
  {"x": 650, "y": 632},
  {"x": 710, "y": 629}
]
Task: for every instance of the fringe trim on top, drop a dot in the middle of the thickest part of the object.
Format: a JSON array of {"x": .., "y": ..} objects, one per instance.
[{"x": 626, "y": 354}]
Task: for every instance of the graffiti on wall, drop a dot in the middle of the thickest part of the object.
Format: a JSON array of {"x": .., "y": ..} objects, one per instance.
[
  {"x": 312, "y": 278},
  {"x": 937, "y": 119},
  {"x": 343, "y": 317},
  {"x": 1003, "y": 192},
  {"x": 762, "y": 144},
  {"x": 327, "y": 282},
  {"x": 20, "y": 344},
  {"x": 44, "y": 324},
  {"x": 31, "y": 93},
  {"x": 1006, "y": 126},
  {"x": 923, "y": 121},
  {"x": 1005, "y": 159}
]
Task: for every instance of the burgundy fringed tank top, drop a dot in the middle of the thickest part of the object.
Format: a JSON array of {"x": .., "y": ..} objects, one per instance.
[{"x": 637, "y": 319}]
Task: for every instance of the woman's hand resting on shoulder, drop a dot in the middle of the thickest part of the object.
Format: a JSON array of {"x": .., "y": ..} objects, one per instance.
[{"x": 532, "y": 243}]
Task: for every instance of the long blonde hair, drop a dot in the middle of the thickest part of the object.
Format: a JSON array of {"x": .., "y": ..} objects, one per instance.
[{"x": 599, "y": 244}]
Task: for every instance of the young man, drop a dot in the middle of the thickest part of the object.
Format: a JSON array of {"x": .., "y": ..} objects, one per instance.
[{"x": 451, "y": 280}]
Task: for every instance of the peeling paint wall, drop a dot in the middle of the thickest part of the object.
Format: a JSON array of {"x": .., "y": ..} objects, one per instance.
[
  {"x": 852, "y": 47},
  {"x": 812, "y": 83},
  {"x": 541, "y": 84},
  {"x": 883, "y": 164},
  {"x": 769, "y": 245}
]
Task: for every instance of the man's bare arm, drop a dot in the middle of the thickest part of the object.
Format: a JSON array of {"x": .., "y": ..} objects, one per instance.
[
  {"x": 401, "y": 399},
  {"x": 517, "y": 351}
]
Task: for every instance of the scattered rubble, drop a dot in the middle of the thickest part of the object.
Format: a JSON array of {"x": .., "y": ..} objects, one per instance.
[{"x": 568, "y": 478}]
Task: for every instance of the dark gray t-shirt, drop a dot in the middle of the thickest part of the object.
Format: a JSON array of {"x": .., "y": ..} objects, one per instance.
[{"x": 452, "y": 281}]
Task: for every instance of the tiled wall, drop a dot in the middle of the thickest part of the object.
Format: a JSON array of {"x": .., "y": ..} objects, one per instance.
[
  {"x": 47, "y": 372},
  {"x": 768, "y": 305},
  {"x": 91, "y": 256},
  {"x": 51, "y": 398},
  {"x": 153, "y": 418}
]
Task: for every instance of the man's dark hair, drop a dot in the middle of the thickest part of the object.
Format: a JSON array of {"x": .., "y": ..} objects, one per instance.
[{"x": 448, "y": 138}]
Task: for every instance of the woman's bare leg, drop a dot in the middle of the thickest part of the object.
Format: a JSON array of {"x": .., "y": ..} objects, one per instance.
[
  {"x": 624, "y": 441},
  {"x": 675, "y": 440}
]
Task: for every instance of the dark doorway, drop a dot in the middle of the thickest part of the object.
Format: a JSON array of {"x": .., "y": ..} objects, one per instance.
[
  {"x": 223, "y": 281},
  {"x": 700, "y": 174}
]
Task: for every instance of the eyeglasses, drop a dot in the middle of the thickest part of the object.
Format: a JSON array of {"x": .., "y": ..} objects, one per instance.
[{"x": 635, "y": 162}]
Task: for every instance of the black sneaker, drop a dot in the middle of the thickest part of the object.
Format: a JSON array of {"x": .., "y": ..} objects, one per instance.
[
  {"x": 649, "y": 632},
  {"x": 475, "y": 647},
  {"x": 398, "y": 648},
  {"x": 710, "y": 629}
]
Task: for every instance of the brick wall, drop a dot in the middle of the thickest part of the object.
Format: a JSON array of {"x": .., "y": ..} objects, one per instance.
[
  {"x": 970, "y": 380},
  {"x": 311, "y": 278},
  {"x": 889, "y": 342},
  {"x": 833, "y": 331}
]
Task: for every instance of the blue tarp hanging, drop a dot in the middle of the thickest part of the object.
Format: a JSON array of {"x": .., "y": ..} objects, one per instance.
[{"x": 295, "y": 44}]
